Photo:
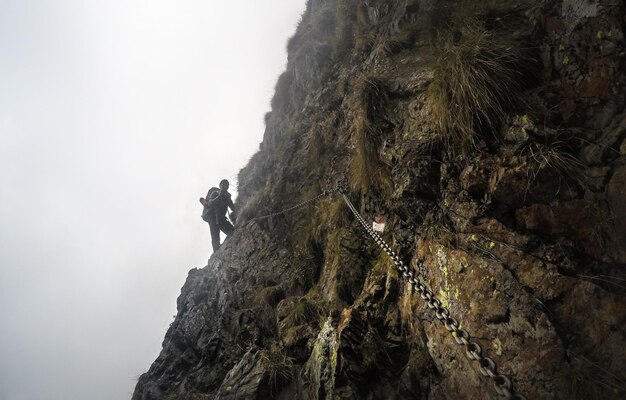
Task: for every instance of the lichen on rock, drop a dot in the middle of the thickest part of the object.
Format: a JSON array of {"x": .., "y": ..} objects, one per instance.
[{"x": 520, "y": 234}]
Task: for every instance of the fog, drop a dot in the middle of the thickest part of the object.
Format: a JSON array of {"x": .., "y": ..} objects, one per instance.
[{"x": 115, "y": 117}]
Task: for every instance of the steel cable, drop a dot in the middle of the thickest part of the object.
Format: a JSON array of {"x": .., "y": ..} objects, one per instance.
[
  {"x": 502, "y": 384},
  {"x": 286, "y": 210}
]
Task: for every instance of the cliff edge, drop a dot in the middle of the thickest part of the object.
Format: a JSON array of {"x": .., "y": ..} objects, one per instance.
[{"x": 491, "y": 139}]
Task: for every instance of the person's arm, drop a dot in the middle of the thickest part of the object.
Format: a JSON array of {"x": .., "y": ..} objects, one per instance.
[
  {"x": 231, "y": 205},
  {"x": 212, "y": 199}
]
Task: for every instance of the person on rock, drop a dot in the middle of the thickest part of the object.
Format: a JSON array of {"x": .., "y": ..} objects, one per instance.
[{"x": 216, "y": 205}]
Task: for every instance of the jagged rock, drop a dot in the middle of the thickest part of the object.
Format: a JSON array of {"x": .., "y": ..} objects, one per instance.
[
  {"x": 520, "y": 236},
  {"x": 244, "y": 380}
]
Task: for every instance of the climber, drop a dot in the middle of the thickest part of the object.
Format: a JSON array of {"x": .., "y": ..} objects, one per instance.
[{"x": 217, "y": 203}]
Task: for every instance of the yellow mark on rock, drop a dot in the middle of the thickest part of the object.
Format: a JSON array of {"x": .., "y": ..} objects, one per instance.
[{"x": 497, "y": 346}]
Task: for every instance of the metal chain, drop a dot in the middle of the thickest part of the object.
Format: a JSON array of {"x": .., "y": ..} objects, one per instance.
[
  {"x": 487, "y": 366},
  {"x": 473, "y": 350},
  {"x": 299, "y": 205}
]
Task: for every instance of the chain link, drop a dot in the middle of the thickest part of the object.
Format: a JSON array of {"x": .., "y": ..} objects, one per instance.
[
  {"x": 299, "y": 205},
  {"x": 487, "y": 366},
  {"x": 473, "y": 350}
]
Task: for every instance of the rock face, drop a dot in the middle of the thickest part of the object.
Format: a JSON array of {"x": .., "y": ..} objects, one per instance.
[{"x": 492, "y": 137}]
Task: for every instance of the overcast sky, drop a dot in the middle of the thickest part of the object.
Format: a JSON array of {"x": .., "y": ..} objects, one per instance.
[{"x": 115, "y": 117}]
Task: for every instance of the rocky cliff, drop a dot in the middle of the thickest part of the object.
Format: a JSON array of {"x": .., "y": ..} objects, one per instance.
[{"x": 492, "y": 139}]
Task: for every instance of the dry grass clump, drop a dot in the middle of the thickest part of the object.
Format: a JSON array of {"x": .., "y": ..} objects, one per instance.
[
  {"x": 315, "y": 146},
  {"x": 304, "y": 223},
  {"x": 304, "y": 266},
  {"x": 255, "y": 206},
  {"x": 400, "y": 41},
  {"x": 302, "y": 312},
  {"x": 556, "y": 155},
  {"x": 278, "y": 365},
  {"x": 367, "y": 104},
  {"x": 334, "y": 214},
  {"x": 477, "y": 80},
  {"x": 329, "y": 214},
  {"x": 586, "y": 379}
]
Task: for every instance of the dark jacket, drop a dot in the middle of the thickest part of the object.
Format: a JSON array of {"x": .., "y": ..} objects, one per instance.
[{"x": 220, "y": 203}]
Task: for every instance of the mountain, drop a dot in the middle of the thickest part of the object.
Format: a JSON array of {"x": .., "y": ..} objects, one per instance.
[{"x": 490, "y": 137}]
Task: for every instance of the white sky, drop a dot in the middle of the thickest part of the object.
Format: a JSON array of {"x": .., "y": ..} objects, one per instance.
[{"x": 115, "y": 117}]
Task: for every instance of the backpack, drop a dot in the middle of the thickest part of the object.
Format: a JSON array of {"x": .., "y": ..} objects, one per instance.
[{"x": 207, "y": 212}]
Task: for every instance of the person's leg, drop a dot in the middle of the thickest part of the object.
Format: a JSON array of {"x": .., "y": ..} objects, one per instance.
[
  {"x": 215, "y": 235},
  {"x": 226, "y": 226}
]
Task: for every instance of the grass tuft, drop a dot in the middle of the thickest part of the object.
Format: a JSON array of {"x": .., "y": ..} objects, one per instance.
[
  {"x": 367, "y": 104},
  {"x": 586, "y": 379},
  {"x": 278, "y": 365},
  {"x": 555, "y": 155},
  {"x": 301, "y": 313},
  {"x": 255, "y": 205},
  {"x": 477, "y": 80}
]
